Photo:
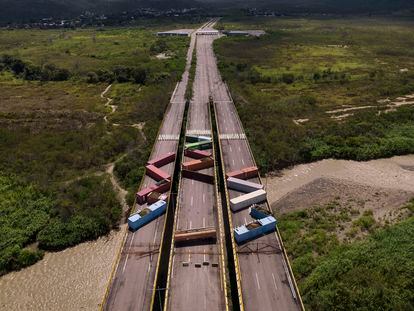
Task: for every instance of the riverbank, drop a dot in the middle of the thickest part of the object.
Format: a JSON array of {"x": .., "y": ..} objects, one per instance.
[{"x": 73, "y": 279}]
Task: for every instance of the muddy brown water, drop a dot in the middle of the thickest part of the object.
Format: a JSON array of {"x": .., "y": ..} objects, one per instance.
[{"x": 73, "y": 279}]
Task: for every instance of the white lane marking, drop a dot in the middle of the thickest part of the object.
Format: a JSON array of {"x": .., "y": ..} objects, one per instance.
[
  {"x": 239, "y": 149},
  {"x": 204, "y": 222},
  {"x": 172, "y": 268},
  {"x": 192, "y": 182},
  {"x": 233, "y": 161},
  {"x": 192, "y": 199},
  {"x": 204, "y": 198},
  {"x": 126, "y": 260},
  {"x": 289, "y": 280},
  {"x": 149, "y": 267},
  {"x": 204, "y": 255},
  {"x": 132, "y": 239},
  {"x": 257, "y": 279},
  {"x": 274, "y": 281},
  {"x": 230, "y": 149},
  {"x": 243, "y": 161},
  {"x": 189, "y": 256},
  {"x": 155, "y": 234}
]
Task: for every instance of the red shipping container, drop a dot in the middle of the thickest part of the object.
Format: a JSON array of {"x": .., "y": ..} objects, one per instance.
[
  {"x": 196, "y": 165},
  {"x": 250, "y": 172},
  {"x": 196, "y": 154},
  {"x": 245, "y": 173},
  {"x": 162, "y": 160},
  {"x": 156, "y": 173},
  {"x": 142, "y": 195},
  {"x": 162, "y": 186},
  {"x": 153, "y": 197},
  {"x": 235, "y": 174}
]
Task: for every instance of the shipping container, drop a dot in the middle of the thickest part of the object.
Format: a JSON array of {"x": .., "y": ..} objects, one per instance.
[
  {"x": 255, "y": 229},
  {"x": 142, "y": 195},
  {"x": 247, "y": 200},
  {"x": 250, "y": 172},
  {"x": 162, "y": 186},
  {"x": 163, "y": 160},
  {"x": 196, "y": 165},
  {"x": 242, "y": 185},
  {"x": 146, "y": 215},
  {"x": 195, "y": 138},
  {"x": 198, "y": 176},
  {"x": 196, "y": 154},
  {"x": 245, "y": 173},
  {"x": 259, "y": 212},
  {"x": 156, "y": 173},
  {"x": 202, "y": 145},
  {"x": 156, "y": 196},
  {"x": 195, "y": 234},
  {"x": 204, "y": 138}
]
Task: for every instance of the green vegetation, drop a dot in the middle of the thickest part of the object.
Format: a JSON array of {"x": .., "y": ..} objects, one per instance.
[
  {"x": 58, "y": 136},
  {"x": 364, "y": 273},
  {"x": 297, "y": 82},
  {"x": 190, "y": 91},
  {"x": 84, "y": 210}
]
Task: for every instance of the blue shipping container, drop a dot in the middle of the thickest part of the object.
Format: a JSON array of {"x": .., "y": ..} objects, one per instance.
[
  {"x": 254, "y": 229},
  {"x": 147, "y": 215},
  {"x": 258, "y": 214}
]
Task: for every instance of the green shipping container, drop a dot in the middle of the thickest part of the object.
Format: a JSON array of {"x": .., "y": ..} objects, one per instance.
[{"x": 202, "y": 145}]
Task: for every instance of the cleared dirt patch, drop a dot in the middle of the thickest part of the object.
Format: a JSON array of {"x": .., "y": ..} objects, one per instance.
[
  {"x": 384, "y": 203},
  {"x": 381, "y": 185}
]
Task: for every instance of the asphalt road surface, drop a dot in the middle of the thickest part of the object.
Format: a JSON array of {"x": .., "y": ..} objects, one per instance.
[
  {"x": 265, "y": 281},
  {"x": 192, "y": 287},
  {"x": 133, "y": 283}
]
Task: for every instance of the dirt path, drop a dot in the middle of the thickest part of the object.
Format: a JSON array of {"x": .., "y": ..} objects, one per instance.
[
  {"x": 380, "y": 185},
  {"x": 108, "y": 102},
  {"x": 120, "y": 192},
  {"x": 73, "y": 279}
]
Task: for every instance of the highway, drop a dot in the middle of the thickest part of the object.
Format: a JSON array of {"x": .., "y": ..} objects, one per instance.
[
  {"x": 132, "y": 287},
  {"x": 196, "y": 276},
  {"x": 264, "y": 279}
]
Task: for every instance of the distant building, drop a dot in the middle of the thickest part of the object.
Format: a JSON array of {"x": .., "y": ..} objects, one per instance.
[
  {"x": 209, "y": 32},
  {"x": 254, "y": 33},
  {"x": 178, "y": 32}
]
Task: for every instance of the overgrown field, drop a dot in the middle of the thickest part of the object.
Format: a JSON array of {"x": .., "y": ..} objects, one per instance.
[
  {"x": 360, "y": 273},
  {"x": 322, "y": 88},
  {"x": 341, "y": 89},
  {"x": 58, "y": 134}
]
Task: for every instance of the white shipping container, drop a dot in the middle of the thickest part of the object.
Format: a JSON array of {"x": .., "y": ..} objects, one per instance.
[
  {"x": 248, "y": 199},
  {"x": 242, "y": 185}
]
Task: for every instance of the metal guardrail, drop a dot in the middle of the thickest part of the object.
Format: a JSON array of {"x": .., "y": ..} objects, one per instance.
[
  {"x": 234, "y": 249},
  {"x": 292, "y": 281},
  {"x": 125, "y": 233},
  {"x": 220, "y": 219}
]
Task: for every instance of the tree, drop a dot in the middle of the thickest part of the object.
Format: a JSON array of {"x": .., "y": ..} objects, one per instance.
[{"x": 139, "y": 75}]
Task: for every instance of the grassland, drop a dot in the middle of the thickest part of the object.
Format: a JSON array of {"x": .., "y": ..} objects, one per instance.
[
  {"x": 331, "y": 89},
  {"x": 58, "y": 137},
  {"x": 322, "y": 88},
  {"x": 362, "y": 272}
]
